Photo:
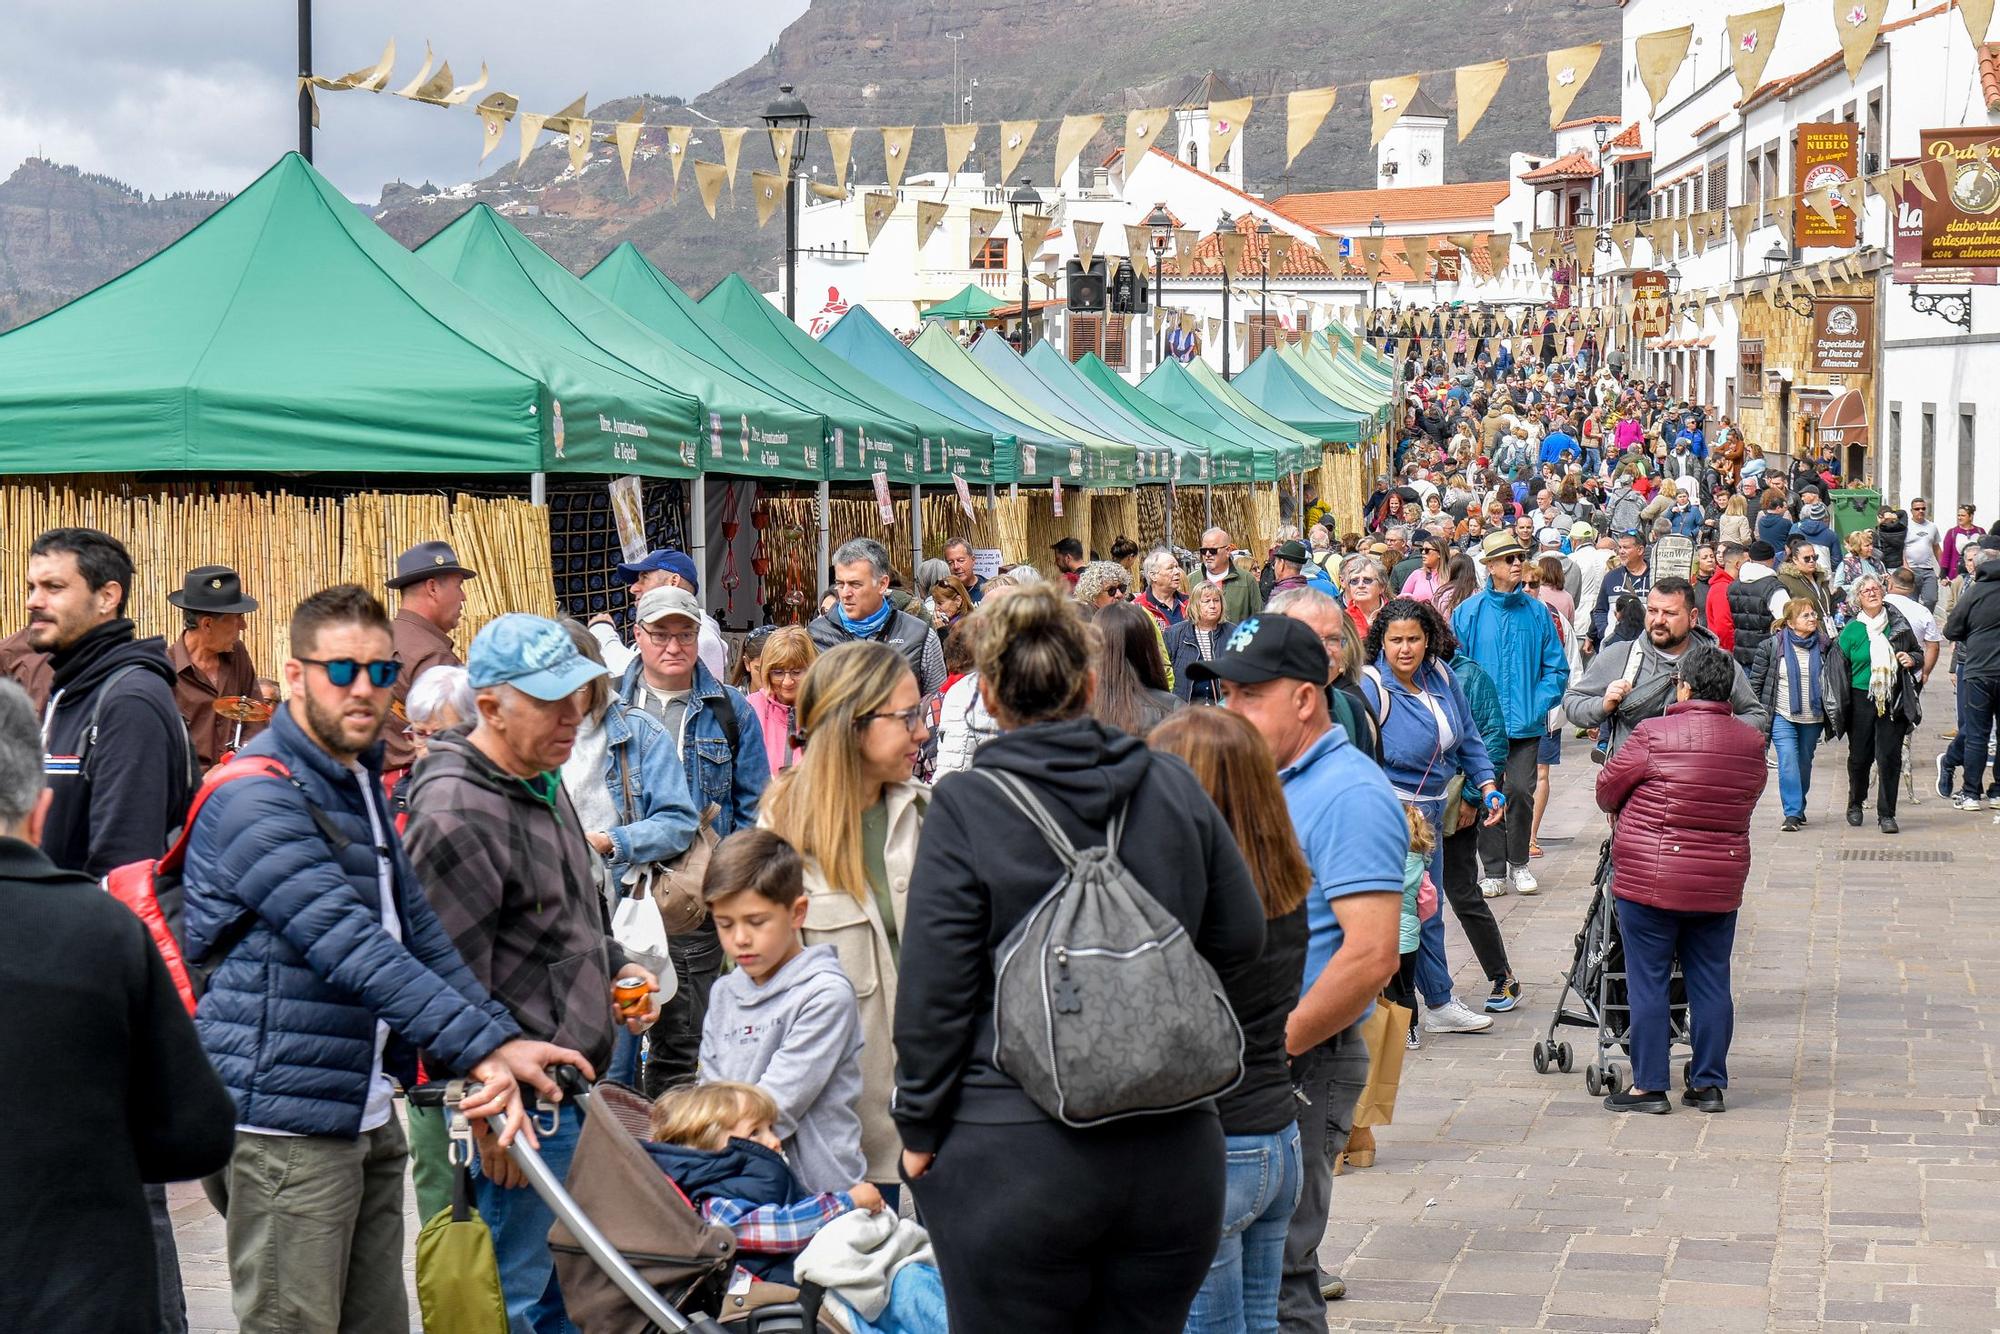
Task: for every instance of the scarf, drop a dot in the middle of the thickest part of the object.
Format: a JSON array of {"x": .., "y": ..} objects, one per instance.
[
  {"x": 1881, "y": 659},
  {"x": 868, "y": 626},
  {"x": 1789, "y": 644},
  {"x": 70, "y": 663}
]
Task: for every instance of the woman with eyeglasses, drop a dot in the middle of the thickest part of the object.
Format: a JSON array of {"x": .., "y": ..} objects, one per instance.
[
  {"x": 1198, "y": 639},
  {"x": 853, "y": 809},
  {"x": 1365, "y": 586},
  {"x": 1427, "y": 580},
  {"x": 1881, "y": 654},
  {"x": 788, "y": 651}
]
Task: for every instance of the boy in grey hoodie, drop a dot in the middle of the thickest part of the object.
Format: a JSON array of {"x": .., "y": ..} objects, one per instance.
[{"x": 785, "y": 1018}]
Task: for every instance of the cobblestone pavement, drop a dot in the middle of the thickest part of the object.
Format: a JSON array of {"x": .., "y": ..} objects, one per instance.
[{"x": 1854, "y": 1183}]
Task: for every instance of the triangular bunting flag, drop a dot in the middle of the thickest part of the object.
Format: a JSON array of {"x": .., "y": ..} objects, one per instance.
[
  {"x": 1476, "y": 85},
  {"x": 841, "y": 144},
  {"x": 1371, "y": 256},
  {"x": 411, "y": 87},
  {"x": 1232, "y": 242},
  {"x": 1141, "y": 129},
  {"x": 1659, "y": 56},
  {"x": 1277, "y": 248},
  {"x": 980, "y": 225},
  {"x": 1752, "y": 37},
  {"x": 494, "y": 113},
  {"x": 732, "y": 149},
  {"x": 463, "y": 93},
  {"x": 896, "y": 152},
  {"x": 1465, "y": 241},
  {"x": 821, "y": 190},
  {"x": 1034, "y": 230},
  {"x": 1499, "y": 250},
  {"x": 1820, "y": 201},
  {"x": 1586, "y": 243},
  {"x": 531, "y": 130},
  {"x": 579, "y": 142},
  {"x": 1386, "y": 100},
  {"x": 1417, "y": 249},
  {"x": 782, "y": 139},
  {"x": 1305, "y": 112},
  {"x": 1225, "y": 122},
  {"x": 369, "y": 78},
  {"x": 1138, "y": 241},
  {"x": 875, "y": 211},
  {"x": 1857, "y": 22},
  {"x": 1076, "y": 131},
  {"x": 1569, "y": 70},
  {"x": 559, "y": 122},
  {"x": 1920, "y": 175},
  {"x": 708, "y": 179},
  {"x": 958, "y": 141},
  {"x": 1978, "y": 16},
  {"x": 1086, "y": 234},
  {"x": 1185, "y": 241},
  {"x": 1853, "y": 195},
  {"x": 625, "y": 134},
  {"x": 1742, "y": 217},
  {"x": 769, "y": 187},
  {"x": 1014, "y": 138},
  {"x": 433, "y": 89},
  {"x": 677, "y": 147},
  {"x": 1329, "y": 251},
  {"x": 930, "y": 216}
]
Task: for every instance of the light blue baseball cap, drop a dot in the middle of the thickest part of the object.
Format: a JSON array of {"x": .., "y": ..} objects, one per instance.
[{"x": 531, "y": 653}]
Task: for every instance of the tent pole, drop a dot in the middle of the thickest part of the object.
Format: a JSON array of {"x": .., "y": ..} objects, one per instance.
[
  {"x": 825, "y": 539},
  {"x": 698, "y": 526},
  {"x": 1208, "y": 505},
  {"x": 1170, "y": 516},
  {"x": 538, "y": 488},
  {"x": 916, "y": 530}
]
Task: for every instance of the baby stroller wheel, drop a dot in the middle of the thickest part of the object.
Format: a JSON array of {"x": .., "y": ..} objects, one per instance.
[
  {"x": 1614, "y": 1079},
  {"x": 1592, "y": 1084},
  {"x": 1541, "y": 1056},
  {"x": 1687, "y": 1074},
  {"x": 1564, "y": 1061}
]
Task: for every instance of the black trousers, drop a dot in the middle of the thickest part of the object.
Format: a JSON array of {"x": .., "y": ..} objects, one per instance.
[
  {"x": 673, "y": 1044},
  {"x": 1877, "y": 743},
  {"x": 1461, "y": 890},
  {"x": 1506, "y": 843},
  {"x": 1042, "y": 1228}
]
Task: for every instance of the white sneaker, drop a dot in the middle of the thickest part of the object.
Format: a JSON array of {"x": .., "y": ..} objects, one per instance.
[
  {"x": 1524, "y": 881},
  {"x": 1966, "y": 801},
  {"x": 1490, "y": 888},
  {"x": 1455, "y": 1016}
]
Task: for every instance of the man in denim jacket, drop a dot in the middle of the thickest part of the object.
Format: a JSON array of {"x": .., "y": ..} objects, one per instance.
[{"x": 722, "y": 745}]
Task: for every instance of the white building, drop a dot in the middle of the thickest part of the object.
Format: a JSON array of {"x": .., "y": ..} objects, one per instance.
[{"x": 1934, "y": 391}]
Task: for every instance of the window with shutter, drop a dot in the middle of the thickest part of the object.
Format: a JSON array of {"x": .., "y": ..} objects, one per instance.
[
  {"x": 1718, "y": 183},
  {"x": 1086, "y": 335}
]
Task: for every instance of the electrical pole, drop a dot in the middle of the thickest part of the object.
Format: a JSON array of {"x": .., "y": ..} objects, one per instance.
[
  {"x": 305, "y": 72},
  {"x": 954, "y": 38}
]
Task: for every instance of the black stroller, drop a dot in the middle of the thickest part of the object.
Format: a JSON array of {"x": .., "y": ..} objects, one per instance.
[{"x": 1596, "y": 978}]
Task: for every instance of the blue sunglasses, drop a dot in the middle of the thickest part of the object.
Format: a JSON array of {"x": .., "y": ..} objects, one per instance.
[{"x": 382, "y": 673}]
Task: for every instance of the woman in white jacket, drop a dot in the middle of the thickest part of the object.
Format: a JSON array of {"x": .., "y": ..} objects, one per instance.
[{"x": 852, "y": 809}]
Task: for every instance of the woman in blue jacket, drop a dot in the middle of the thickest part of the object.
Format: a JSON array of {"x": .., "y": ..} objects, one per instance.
[{"x": 1429, "y": 734}]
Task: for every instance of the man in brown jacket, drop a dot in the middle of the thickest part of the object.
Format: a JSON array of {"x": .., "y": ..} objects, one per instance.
[
  {"x": 26, "y": 666},
  {"x": 432, "y": 584},
  {"x": 209, "y": 659}
]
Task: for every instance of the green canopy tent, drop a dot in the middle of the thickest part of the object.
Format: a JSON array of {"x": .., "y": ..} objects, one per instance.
[
  {"x": 1336, "y": 380},
  {"x": 969, "y": 304},
  {"x": 1225, "y": 458},
  {"x": 289, "y": 333},
  {"x": 751, "y": 432},
  {"x": 1173, "y": 458},
  {"x": 1298, "y": 448},
  {"x": 1083, "y": 457},
  {"x": 1005, "y": 365},
  {"x": 1172, "y": 384},
  {"x": 1274, "y": 385}
]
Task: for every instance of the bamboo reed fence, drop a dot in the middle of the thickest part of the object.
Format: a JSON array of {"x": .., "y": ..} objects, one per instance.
[{"x": 286, "y": 547}]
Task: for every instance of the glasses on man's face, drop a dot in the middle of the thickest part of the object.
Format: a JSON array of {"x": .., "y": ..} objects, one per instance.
[
  {"x": 1211, "y": 551},
  {"x": 1361, "y": 580},
  {"x": 340, "y": 672},
  {"x": 1514, "y": 559},
  {"x": 684, "y": 638},
  {"x": 912, "y": 719}
]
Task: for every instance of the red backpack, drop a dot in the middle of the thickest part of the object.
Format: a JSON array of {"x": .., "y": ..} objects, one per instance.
[{"x": 152, "y": 889}]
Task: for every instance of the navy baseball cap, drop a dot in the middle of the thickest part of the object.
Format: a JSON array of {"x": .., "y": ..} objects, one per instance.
[
  {"x": 665, "y": 560},
  {"x": 1267, "y": 648},
  {"x": 531, "y": 653}
]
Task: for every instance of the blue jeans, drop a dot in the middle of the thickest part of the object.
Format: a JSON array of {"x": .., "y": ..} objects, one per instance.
[
  {"x": 916, "y": 1305},
  {"x": 1796, "y": 743},
  {"x": 625, "y": 1059},
  {"x": 1654, "y": 937},
  {"x": 1433, "y": 972},
  {"x": 520, "y": 1224},
  {"x": 1240, "y": 1294},
  {"x": 1977, "y": 696}
]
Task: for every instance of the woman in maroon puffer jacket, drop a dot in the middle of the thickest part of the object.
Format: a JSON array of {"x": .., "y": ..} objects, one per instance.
[{"x": 1681, "y": 791}]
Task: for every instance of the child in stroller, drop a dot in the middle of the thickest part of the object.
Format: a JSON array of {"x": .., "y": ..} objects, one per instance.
[{"x": 716, "y": 1141}]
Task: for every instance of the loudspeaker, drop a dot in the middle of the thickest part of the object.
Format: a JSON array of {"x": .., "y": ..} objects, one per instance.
[
  {"x": 1086, "y": 286},
  {"x": 1129, "y": 293}
]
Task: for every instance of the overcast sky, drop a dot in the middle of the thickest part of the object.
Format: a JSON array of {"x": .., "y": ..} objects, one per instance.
[{"x": 199, "y": 94}]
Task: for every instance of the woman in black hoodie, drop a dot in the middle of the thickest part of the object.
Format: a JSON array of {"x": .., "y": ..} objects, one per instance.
[{"x": 1039, "y": 1226}]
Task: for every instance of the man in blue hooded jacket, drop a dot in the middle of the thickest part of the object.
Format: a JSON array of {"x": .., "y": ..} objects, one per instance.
[{"x": 1510, "y": 633}]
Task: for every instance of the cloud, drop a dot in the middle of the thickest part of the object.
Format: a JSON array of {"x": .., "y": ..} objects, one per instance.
[{"x": 200, "y": 95}]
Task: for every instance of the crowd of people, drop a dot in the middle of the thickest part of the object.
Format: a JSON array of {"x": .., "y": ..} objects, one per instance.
[{"x": 420, "y": 868}]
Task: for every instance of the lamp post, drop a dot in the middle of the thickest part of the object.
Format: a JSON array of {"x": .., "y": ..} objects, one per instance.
[
  {"x": 1161, "y": 223},
  {"x": 1264, "y": 230},
  {"x": 1223, "y": 226},
  {"x": 789, "y": 112},
  {"x": 1375, "y": 230},
  {"x": 1025, "y": 196}
]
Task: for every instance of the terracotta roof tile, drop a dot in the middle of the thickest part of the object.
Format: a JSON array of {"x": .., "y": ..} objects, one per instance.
[
  {"x": 1582, "y": 121},
  {"x": 1570, "y": 166},
  {"x": 1305, "y": 260},
  {"x": 1627, "y": 138},
  {"x": 1333, "y": 210},
  {"x": 1989, "y": 74},
  {"x": 1217, "y": 181}
]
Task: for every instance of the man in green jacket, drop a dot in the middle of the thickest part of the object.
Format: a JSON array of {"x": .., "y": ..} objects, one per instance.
[{"x": 1240, "y": 596}]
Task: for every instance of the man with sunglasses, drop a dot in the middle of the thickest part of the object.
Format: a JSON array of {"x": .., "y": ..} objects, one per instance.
[
  {"x": 331, "y": 970},
  {"x": 1241, "y": 598},
  {"x": 430, "y": 582}
]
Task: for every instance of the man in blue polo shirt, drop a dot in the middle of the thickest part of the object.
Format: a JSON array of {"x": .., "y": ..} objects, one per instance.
[{"x": 1273, "y": 671}]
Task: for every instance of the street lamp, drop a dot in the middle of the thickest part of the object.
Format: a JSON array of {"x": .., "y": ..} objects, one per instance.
[
  {"x": 1375, "y": 230},
  {"x": 1161, "y": 224},
  {"x": 789, "y": 112},
  {"x": 1025, "y": 196},
  {"x": 1264, "y": 230},
  {"x": 1224, "y": 225}
]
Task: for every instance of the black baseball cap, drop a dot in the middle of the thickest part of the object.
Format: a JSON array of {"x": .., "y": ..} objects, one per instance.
[{"x": 1267, "y": 648}]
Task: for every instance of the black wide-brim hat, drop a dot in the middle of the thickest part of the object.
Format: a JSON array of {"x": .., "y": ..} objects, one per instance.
[
  {"x": 427, "y": 560},
  {"x": 213, "y": 590}
]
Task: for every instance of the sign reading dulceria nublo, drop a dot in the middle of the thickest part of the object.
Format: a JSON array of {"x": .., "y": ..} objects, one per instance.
[
  {"x": 1824, "y": 158},
  {"x": 1843, "y": 335},
  {"x": 1962, "y": 229}
]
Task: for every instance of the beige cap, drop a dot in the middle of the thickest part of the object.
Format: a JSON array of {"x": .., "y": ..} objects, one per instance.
[{"x": 656, "y": 604}]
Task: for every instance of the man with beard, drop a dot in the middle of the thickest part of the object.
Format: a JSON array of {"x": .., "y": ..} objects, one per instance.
[
  {"x": 330, "y": 971},
  {"x": 1628, "y": 684}
]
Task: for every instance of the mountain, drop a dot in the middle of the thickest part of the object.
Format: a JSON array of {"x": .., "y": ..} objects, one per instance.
[
  {"x": 64, "y": 231},
  {"x": 889, "y": 62}
]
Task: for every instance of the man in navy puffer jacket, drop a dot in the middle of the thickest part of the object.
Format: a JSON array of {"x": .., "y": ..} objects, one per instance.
[{"x": 342, "y": 974}]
